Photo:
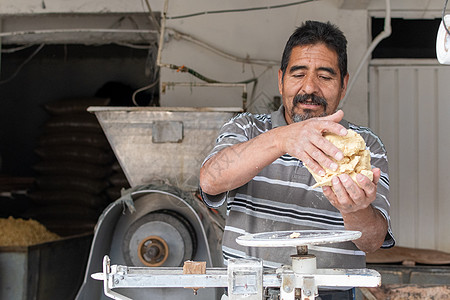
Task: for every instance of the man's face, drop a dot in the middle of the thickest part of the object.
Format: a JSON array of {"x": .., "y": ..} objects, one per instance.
[{"x": 311, "y": 86}]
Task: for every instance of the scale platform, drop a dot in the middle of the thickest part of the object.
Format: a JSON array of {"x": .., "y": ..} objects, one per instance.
[{"x": 297, "y": 238}]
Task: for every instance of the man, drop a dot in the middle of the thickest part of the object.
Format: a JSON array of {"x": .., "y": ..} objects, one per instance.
[{"x": 258, "y": 162}]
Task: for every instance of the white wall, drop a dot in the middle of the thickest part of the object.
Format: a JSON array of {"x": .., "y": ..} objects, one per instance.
[
  {"x": 258, "y": 34},
  {"x": 413, "y": 124}
]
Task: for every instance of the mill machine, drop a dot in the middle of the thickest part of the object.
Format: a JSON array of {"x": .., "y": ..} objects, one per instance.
[{"x": 159, "y": 221}]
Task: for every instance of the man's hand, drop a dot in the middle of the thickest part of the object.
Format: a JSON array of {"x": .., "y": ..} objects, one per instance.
[
  {"x": 354, "y": 202},
  {"x": 348, "y": 196},
  {"x": 305, "y": 141}
]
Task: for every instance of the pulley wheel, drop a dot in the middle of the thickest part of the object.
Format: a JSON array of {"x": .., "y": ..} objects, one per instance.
[
  {"x": 162, "y": 238},
  {"x": 153, "y": 251}
]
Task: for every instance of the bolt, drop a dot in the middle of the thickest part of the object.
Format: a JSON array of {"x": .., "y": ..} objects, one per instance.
[{"x": 116, "y": 281}]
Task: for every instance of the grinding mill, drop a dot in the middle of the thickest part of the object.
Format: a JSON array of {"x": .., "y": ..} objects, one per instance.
[{"x": 158, "y": 222}]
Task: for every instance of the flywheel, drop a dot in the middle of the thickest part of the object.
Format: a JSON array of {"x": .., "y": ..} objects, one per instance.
[{"x": 161, "y": 238}]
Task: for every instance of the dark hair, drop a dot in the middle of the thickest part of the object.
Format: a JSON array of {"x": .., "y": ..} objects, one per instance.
[{"x": 313, "y": 32}]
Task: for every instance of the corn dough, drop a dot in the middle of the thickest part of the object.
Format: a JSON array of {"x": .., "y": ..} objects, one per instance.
[{"x": 356, "y": 158}]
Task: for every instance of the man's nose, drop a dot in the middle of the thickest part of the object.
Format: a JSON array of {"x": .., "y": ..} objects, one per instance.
[{"x": 310, "y": 85}]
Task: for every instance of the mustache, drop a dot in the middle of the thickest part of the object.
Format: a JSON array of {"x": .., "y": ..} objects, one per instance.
[{"x": 310, "y": 98}]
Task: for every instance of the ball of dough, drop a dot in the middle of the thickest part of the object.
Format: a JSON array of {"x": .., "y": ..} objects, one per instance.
[{"x": 356, "y": 158}]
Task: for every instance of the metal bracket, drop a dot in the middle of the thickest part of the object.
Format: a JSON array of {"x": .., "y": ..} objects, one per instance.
[
  {"x": 287, "y": 289},
  {"x": 309, "y": 290},
  {"x": 107, "y": 284},
  {"x": 245, "y": 279}
]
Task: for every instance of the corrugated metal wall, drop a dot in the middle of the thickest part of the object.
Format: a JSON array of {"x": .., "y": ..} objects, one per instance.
[{"x": 409, "y": 107}]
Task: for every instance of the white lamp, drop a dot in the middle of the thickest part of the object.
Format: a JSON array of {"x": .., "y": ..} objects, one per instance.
[{"x": 443, "y": 39}]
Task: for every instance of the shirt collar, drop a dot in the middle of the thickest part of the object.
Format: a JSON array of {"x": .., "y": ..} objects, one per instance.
[{"x": 278, "y": 118}]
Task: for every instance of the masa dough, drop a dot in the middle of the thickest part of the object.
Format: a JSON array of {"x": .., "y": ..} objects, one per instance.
[{"x": 356, "y": 158}]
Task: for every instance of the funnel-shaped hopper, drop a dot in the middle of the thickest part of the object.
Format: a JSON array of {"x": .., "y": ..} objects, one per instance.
[{"x": 154, "y": 143}]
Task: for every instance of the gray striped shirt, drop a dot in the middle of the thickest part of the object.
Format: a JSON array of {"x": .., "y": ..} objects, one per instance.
[{"x": 280, "y": 198}]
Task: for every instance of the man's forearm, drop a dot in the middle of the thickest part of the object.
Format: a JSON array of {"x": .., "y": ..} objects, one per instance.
[
  {"x": 236, "y": 165},
  {"x": 372, "y": 225}
]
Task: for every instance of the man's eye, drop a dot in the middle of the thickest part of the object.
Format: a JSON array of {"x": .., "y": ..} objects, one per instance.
[
  {"x": 298, "y": 75},
  {"x": 325, "y": 77}
]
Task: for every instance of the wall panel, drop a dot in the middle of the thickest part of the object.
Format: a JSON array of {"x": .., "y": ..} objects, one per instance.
[{"x": 409, "y": 105}]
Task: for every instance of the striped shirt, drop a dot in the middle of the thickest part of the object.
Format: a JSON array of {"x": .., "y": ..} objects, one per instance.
[{"x": 280, "y": 198}]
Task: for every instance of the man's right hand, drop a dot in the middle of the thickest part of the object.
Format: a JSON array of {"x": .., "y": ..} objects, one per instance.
[{"x": 304, "y": 140}]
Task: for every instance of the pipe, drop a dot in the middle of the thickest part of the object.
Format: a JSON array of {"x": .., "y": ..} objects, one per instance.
[
  {"x": 165, "y": 85},
  {"x": 76, "y": 30},
  {"x": 384, "y": 34},
  {"x": 161, "y": 36}
]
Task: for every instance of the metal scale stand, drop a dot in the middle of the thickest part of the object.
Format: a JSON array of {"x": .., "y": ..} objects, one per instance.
[{"x": 246, "y": 278}]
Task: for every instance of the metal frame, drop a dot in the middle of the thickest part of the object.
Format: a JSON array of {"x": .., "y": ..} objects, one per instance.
[{"x": 285, "y": 278}]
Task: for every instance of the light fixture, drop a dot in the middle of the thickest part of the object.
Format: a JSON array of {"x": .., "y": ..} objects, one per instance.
[{"x": 443, "y": 39}]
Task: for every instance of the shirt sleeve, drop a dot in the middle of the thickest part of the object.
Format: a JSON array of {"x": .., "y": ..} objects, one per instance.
[
  {"x": 213, "y": 201},
  {"x": 379, "y": 159}
]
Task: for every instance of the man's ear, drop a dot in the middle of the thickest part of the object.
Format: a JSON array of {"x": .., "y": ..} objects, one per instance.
[
  {"x": 344, "y": 86},
  {"x": 280, "y": 82}
]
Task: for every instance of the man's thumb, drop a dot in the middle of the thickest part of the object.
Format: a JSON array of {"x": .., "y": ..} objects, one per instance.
[{"x": 335, "y": 117}]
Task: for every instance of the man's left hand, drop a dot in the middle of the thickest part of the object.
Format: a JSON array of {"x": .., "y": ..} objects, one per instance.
[{"x": 348, "y": 196}]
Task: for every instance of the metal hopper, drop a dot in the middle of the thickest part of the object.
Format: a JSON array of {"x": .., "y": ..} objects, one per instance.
[
  {"x": 159, "y": 221},
  {"x": 162, "y": 143}
]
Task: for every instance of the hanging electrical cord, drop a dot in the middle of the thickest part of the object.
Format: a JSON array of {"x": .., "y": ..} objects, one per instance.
[
  {"x": 152, "y": 16},
  {"x": 384, "y": 34},
  {"x": 239, "y": 10},
  {"x": 23, "y": 64},
  {"x": 150, "y": 70},
  {"x": 133, "y": 46},
  {"x": 147, "y": 87},
  {"x": 151, "y": 67},
  {"x": 191, "y": 71},
  {"x": 179, "y": 35},
  {"x": 16, "y": 49},
  {"x": 443, "y": 17}
]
